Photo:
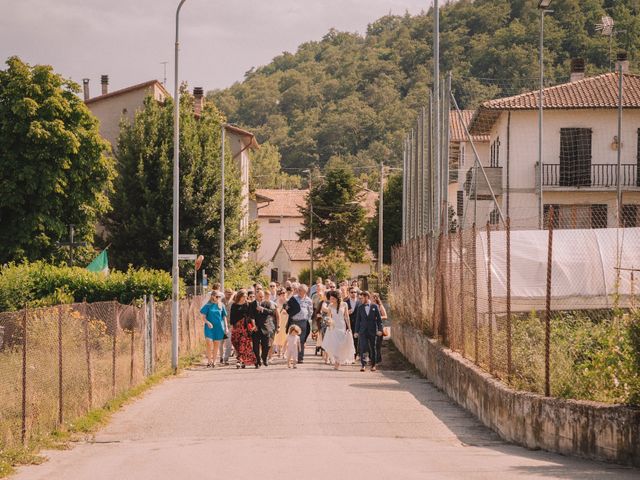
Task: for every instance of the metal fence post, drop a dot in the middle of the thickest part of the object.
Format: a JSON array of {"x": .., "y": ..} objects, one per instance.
[
  {"x": 547, "y": 320},
  {"x": 509, "y": 319},
  {"x": 60, "y": 395},
  {"x": 475, "y": 293},
  {"x": 23, "y": 430},
  {"x": 88, "y": 354},
  {"x": 451, "y": 327},
  {"x": 462, "y": 332},
  {"x": 113, "y": 353},
  {"x": 133, "y": 330},
  {"x": 489, "y": 297}
]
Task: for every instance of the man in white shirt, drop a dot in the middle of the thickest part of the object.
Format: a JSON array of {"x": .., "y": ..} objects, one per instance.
[{"x": 302, "y": 318}]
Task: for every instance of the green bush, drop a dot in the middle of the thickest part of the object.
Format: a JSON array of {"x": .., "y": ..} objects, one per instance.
[
  {"x": 333, "y": 266},
  {"x": 41, "y": 284}
]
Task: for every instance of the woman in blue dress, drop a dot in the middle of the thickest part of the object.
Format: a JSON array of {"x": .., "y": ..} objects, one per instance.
[{"x": 215, "y": 326}]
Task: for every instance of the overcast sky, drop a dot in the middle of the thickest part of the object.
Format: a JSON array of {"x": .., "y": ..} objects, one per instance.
[{"x": 220, "y": 40}]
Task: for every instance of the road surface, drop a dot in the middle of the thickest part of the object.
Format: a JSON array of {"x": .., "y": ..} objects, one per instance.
[{"x": 303, "y": 424}]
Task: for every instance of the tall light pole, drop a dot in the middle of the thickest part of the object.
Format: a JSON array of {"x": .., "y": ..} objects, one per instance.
[
  {"x": 437, "y": 141},
  {"x": 308, "y": 171},
  {"x": 380, "y": 222},
  {"x": 543, "y": 6},
  {"x": 222, "y": 140},
  {"x": 175, "y": 291}
]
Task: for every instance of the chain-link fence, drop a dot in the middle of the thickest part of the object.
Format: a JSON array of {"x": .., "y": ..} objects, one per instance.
[
  {"x": 548, "y": 311},
  {"x": 58, "y": 363}
]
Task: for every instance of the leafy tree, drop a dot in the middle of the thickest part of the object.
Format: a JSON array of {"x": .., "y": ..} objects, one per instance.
[
  {"x": 54, "y": 170},
  {"x": 339, "y": 219},
  {"x": 333, "y": 266},
  {"x": 392, "y": 227},
  {"x": 266, "y": 171},
  {"x": 140, "y": 224}
]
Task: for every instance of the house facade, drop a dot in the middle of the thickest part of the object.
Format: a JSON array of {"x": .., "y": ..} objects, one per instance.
[
  {"x": 292, "y": 256},
  {"x": 112, "y": 107},
  {"x": 580, "y": 152}
]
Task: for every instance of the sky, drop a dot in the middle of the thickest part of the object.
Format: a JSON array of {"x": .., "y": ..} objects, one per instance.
[{"x": 219, "y": 41}]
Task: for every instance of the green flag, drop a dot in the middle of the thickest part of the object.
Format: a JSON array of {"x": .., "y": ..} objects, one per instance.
[{"x": 100, "y": 264}]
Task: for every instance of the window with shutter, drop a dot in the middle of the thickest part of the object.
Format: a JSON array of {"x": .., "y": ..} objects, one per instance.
[{"x": 575, "y": 157}]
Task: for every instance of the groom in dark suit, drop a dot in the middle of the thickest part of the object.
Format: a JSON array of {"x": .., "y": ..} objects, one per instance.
[
  {"x": 368, "y": 327},
  {"x": 352, "y": 305}
]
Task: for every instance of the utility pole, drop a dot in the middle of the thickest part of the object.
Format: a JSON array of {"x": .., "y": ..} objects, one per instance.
[
  {"x": 381, "y": 222},
  {"x": 71, "y": 244},
  {"x": 308, "y": 172}
]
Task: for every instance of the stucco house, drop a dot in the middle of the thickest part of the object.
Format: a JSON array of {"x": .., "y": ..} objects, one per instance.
[
  {"x": 579, "y": 154},
  {"x": 292, "y": 256},
  {"x": 111, "y": 107}
]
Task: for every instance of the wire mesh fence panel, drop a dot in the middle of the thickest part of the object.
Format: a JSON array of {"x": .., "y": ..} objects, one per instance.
[
  {"x": 11, "y": 350},
  {"x": 57, "y": 363}
]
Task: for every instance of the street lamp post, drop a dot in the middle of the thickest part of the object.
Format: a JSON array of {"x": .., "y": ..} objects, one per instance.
[
  {"x": 175, "y": 292},
  {"x": 380, "y": 222},
  {"x": 543, "y": 6},
  {"x": 222, "y": 140}
]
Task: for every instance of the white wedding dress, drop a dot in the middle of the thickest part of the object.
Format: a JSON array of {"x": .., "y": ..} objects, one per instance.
[{"x": 338, "y": 342}]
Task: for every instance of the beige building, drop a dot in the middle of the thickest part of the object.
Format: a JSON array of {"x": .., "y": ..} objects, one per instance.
[
  {"x": 112, "y": 107},
  {"x": 579, "y": 155},
  {"x": 240, "y": 142},
  {"x": 292, "y": 256},
  {"x": 277, "y": 213}
]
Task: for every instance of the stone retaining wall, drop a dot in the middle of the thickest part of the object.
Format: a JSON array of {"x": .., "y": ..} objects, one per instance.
[{"x": 571, "y": 427}]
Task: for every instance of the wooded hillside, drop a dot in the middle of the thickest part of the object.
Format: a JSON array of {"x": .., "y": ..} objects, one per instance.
[{"x": 352, "y": 95}]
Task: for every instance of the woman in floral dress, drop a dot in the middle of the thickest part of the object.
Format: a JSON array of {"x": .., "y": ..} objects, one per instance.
[{"x": 240, "y": 336}]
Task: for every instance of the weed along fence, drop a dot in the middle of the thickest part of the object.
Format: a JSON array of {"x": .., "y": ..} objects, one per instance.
[
  {"x": 551, "y": 311},
  {"x": 58, "y": 363}
]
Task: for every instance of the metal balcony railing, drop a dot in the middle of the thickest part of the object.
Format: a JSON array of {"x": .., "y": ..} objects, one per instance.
[{"x": 594, "y": 175}]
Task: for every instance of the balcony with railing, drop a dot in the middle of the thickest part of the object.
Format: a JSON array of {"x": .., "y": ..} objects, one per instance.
[{"x": 595, "y": 175}]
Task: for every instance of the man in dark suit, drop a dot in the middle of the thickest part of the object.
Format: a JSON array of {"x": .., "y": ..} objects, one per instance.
[
  {"x": 352, "y": 305},
  {"x": 368, "y": 327},
  {"x": 261, "y": 312}
]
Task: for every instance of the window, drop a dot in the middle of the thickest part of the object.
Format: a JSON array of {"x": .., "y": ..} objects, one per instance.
[
  {"x": 460, "y": 204},
  {"x": 575, "y": 157},
  {"x": 495, "y": 153},
  {"x": 629, "y": 216},
  {"x": 494, "y": 217},
  {"x": 598, "y": 216},
  {"x": 274, "y": 220},
  {"x": 576, "y": 216},
  {"x": 461, "y": 158}
]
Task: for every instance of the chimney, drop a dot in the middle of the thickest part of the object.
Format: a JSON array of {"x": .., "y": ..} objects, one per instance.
[
  {"x": 104, "y": 81},
  {"x": 622, "y": 61},
  {"x": 198, "y": 95},
  {"x": 85, "y": 88},
  {"x": 577, "y": 69}
]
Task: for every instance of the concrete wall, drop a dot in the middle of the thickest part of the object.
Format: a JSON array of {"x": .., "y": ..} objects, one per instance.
[{"x": 570, "y": 427}]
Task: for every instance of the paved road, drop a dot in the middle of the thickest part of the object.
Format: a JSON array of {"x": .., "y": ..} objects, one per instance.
[{"x": 309, "y": 423}]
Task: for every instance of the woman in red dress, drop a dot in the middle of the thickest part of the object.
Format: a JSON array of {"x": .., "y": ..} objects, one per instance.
[{"x": 240, "y": 324}]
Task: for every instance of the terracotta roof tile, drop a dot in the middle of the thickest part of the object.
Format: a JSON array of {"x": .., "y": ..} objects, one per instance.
[
  {"x": 600, "y": 91},
  {"x": 456, "y": 127},
  {"x": 115, "y": 93},
  {"x": 281, "y": 203},
  {"x": 300, "y": 250}
]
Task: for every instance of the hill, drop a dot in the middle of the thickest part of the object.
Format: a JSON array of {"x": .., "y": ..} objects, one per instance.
[{"x": 353, "y": 96}]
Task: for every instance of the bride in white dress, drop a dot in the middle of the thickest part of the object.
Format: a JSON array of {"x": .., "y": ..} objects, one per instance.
[{"x": 338, "y": 340}]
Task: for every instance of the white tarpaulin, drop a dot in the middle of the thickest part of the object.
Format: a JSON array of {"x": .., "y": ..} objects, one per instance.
[{"x": 584, "y": 273}]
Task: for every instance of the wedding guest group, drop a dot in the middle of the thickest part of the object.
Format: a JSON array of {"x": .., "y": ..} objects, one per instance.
[{"x": 259, "y": 326}]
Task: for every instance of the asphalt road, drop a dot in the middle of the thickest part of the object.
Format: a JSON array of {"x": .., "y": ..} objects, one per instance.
[{"x": 308, "y": 423}]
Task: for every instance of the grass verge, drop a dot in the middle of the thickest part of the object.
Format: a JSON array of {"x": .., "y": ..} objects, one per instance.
[{"x": 79, "y": 428}]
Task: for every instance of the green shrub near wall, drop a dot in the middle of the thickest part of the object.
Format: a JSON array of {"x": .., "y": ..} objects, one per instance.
[{"x": 40, "y": 284}]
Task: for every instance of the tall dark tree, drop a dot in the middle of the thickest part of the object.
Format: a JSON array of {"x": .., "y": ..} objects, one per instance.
[
  {"x": 392, "y": 218},
  {"x": 140, "y": 224},
  {"x": 53, "y": 168},
  {"x": 339, "y": 218}
]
